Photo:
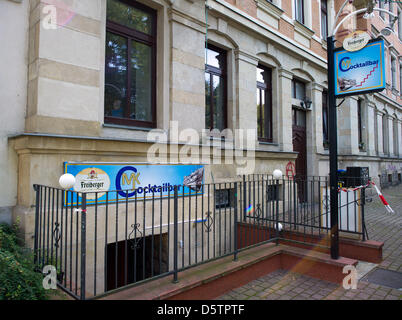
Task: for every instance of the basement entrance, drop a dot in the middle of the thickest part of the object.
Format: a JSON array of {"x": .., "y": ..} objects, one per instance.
[{"x": 136, "y": 259}]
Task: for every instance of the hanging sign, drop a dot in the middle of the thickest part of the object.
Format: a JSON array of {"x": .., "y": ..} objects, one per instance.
[
  {"x": 356, "y": 40},
  {"x": 361, "y": 71},
  {"x": 111, "y": 182}
]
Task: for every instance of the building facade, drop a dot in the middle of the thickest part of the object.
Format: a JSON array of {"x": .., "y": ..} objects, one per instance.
[{"x": 96, "y": 80}]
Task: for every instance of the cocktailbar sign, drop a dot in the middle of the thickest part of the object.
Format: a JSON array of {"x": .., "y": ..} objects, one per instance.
[
  {"x": 361, "y": 71},
  {"x": 111, "y": 182}
]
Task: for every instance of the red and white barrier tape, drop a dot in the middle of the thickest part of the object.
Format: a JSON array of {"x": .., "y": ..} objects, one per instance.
[{"x": 386, "y": 204}]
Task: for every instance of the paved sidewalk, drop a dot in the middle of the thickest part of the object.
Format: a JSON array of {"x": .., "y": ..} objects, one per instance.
[{"x": 381, "y": 226}]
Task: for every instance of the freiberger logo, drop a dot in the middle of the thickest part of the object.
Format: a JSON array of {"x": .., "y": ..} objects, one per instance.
[
  {"x": 92, "y": 180},
  {"x": 356, "y": 41}
]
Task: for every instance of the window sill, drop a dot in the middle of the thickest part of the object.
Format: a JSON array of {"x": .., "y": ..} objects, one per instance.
[
  {"x": 268, "y": 143},
  {"x": 135, "y": 128},
  {"x": 303, "y": 30}
]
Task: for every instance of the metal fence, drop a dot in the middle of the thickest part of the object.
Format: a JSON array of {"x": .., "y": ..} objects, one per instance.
[{"x": 101, "y": 246}]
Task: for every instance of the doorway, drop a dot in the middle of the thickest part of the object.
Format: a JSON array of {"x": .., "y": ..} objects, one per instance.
[
  {"x": 300, "y": 146},
  {"x": 136, "y": 259}
]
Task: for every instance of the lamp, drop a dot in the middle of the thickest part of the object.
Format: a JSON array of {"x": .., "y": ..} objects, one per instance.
[
  {"x": 306, "y": 103},
  {"x": 370, "y": 8},
  {"x": 388, "y": 29},
  {"x": 67, "y": 181}
]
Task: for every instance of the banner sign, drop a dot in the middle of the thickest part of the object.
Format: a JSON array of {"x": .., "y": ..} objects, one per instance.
[
  {"x": 132, "y": 180},
  {"x": 361, "y": 71}
]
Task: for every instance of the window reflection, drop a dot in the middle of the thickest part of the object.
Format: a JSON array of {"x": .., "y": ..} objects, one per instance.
[{"x": 128, "y": 16}]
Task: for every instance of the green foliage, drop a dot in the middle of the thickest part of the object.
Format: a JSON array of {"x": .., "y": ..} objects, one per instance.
[{"x": 18, "y": 279}]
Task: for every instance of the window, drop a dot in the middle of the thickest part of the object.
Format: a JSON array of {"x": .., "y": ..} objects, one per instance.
[
  {"x": 324, "y": 19},
  {"x": 224, "y": 198},
  {"x": 299, "y": 118},
  {"x": 272, "y": 192},
  {"x": 400, "y": 79},
  {"x": 393, "y": 72},
  {"x": 381, "y": 5},
  {"x": 385, "y": 133},
  {"x": 215, "y": 86},
  {"x": 400, "y": 24},
  {"x": 130, "y": 87},
  {"x": 264, "y": 104},
  {"x": 360, "y": 124},
  {"x": 395, "y": 135},
  {"x": 325, "y": 119},
  {"x": 299, "y": 10},
  {"x": 298, "y": 89},
  {"x": 391, "y": 9}
]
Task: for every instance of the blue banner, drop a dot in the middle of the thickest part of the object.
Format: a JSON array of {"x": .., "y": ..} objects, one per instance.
[
  {"x": 133, "y": 180},
  {"x": 360, "y": 71}
]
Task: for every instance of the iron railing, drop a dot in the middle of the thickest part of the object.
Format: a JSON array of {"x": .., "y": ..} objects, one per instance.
[{"x": 98, "y": 246}]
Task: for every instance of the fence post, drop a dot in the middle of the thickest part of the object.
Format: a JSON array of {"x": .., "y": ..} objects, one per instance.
[
  {"x": 363, "y": 202},
  {"x": 277, "y": 211},
  {"x": 235, "y": 223},
  {"x": 83, "y": 244},
  {"x": 244, "y": 198},
  {"x": 36, "y": 188},
  {"x": 175, "y": 237}
]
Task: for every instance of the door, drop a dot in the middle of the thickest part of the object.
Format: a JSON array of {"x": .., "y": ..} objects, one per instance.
[{"x": 300, "y": 146}]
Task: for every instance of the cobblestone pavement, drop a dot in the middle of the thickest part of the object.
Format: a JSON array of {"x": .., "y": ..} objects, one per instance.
[{"x": 381, "y": 226}]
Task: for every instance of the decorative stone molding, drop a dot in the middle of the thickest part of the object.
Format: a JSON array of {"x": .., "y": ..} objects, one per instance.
[
  {"x": 285, "y": 73},
  {"x": 269, "y": 12},
  {"x": 247, "y": 57},
  {"x": 393, "y": 51},
  {"x": 317, "y": 87},
  {"x": 222, "y": 25},
  {"x": 269, "y": 8},
  {"x": 303, "y": 34}
]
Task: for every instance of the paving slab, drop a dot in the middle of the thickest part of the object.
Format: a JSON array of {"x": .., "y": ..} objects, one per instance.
[{"x": 381, "y": 226}]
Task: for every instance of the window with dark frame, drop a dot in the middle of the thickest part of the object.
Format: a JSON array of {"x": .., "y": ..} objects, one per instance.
[
  {"x": 272, "y": 192},
  {"x": 400, "y": 79},
  {"x": 298, "y": 89},
  {"x": 360, "y": 124},
  {"x": 130, "y": 61},
  {"x": 215, "y": 88},
  {"x": 324, "y": 19},
  {"x": 264, "y": 104},
  {"x": 325, "y": 119},
  {"x": 393, "y": 72},
  {"x": 399, "y": 24},
  {"x": 381, "y": 6},
  {"x": 391, "y": 9},
  {"x": 299, "y": 10},
  {"x": 385, "y": 133},
  {"x": 224, "y": 198}
]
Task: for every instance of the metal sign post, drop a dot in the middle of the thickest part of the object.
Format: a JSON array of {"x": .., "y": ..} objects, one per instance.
[{"x": 333, "y": 151}]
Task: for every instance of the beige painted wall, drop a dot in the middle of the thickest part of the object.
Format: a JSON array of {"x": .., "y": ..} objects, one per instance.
[{"x": 13, "y": 95}]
